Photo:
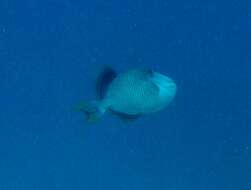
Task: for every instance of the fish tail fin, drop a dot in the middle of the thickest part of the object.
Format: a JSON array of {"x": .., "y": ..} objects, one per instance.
[{"x": 91, "y": 110}]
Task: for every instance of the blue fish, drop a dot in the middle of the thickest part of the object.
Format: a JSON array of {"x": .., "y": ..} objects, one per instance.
[{"x": 130, "y": 94}]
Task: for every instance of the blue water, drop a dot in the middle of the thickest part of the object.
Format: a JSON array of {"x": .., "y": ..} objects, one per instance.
[{"x": 50, "y": 52}]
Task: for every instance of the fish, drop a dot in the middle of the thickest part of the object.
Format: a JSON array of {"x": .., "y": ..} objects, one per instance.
[{"x": 129, "y": 94}]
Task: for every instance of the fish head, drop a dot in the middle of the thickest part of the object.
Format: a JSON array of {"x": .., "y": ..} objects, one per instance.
[{"x": 167, "y": 87}]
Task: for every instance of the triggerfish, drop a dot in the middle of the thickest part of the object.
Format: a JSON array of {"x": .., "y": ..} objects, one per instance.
[{"x": 129, "y": 95}]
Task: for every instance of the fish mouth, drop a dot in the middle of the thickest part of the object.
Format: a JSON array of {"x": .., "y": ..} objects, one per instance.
[{"x": 166, "y": 85}]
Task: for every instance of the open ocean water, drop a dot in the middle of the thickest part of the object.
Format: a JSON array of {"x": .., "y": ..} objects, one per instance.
[{"x": 50, "y": 53}]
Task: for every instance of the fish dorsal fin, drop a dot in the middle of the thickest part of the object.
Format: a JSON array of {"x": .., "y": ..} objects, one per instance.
[{"x": 104, "y": 78}]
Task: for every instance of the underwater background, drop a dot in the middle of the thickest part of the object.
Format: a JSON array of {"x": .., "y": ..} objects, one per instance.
[{"x": 50, "y": 54}]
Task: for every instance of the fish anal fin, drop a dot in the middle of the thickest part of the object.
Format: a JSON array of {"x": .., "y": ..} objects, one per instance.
[{"x": 127, "y": 117}]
